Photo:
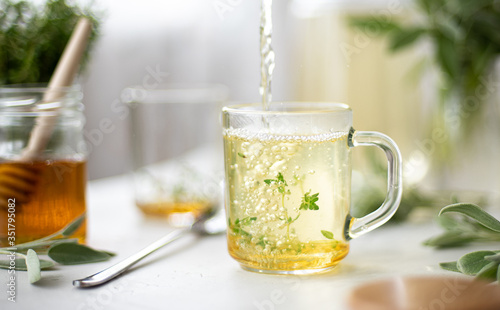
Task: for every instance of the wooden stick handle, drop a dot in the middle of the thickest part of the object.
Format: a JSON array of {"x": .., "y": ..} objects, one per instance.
[{"x": 62, "y": 77}]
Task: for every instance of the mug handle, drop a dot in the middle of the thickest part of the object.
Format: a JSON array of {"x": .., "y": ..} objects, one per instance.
[{"x": 367, "y": 223}]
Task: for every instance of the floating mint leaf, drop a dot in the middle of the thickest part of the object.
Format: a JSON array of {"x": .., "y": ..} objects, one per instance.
[
  {"x": 474, "y": 212},
  {"x": 281, "y": 178},
  {"x": 73, "y": 226},
  {"x": 327, "y": 234},
  {"x": 33, "y": 266},
  {"x": 75, "y": 254},
  {"x": 244, "y": 221},
  {"x": 473, "y": 263},
  {"x": 309, "y": 202},
  {"x": 450, "y": 266}
]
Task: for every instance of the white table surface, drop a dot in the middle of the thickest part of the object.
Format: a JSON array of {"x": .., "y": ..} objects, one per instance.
[{"x": 198, "y": 273}]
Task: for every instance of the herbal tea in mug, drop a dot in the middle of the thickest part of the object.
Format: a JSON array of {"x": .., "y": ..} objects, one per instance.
[{"x": 288, "y": 180}]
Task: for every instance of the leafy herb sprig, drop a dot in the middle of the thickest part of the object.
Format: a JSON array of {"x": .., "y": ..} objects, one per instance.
[
  {"x": 474, "y": 225},
  {"x": 59, "y": 247},
  {"x": 308, "y": 201}
]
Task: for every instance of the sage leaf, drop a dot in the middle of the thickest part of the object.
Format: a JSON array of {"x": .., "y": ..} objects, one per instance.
[
  {"x": 327, "y": 234},
  {"x": 42, "y": 247},
  {"x": 450, "y": 266},
  {"x": 448, "y": 223},
  {"x": 472, "y": 263},
  {"x": 498, "y": 275},
  {"x": 449, "y": 239},
  {"x": 474, "y": 212},
  {"x": 493, "y": 258},
  {"x": 20, "y": 264},
  {"x": 488, "y": 272},
  {"x": 73, "y": 226},
  {"x": 33, "y": 266},
  {"x": 75, "y": 254}
]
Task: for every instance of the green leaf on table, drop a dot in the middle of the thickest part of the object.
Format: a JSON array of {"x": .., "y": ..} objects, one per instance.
[
  {"x": 449, "y": 239},
  {"x": 73, "y": 226},
  {"x": 109, "y": 253},
  {"x": 472, "y": 263},
  {"x": 475, "y": 212},
  {"x": 493, "y": 258},
  {"x": 33, "y": 266},
  {"x": 448, "y": 222},
  {"x": 498, "y": 275},
  {"x": 488, "y": 272},
  {"x": 327, "y": 234},
  {"x": 450, "y": 266},
  {"x": 42, "y": 247},
  {"x": 405, "y": 37},
  {"x": 20, "y": 264},
  {"x": 75, "y": 254}
]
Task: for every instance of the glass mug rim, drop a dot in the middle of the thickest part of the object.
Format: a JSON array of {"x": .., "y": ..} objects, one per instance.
[{"x": 288, "y": 108}]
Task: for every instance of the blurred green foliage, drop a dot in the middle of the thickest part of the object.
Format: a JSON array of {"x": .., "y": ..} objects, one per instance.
[
  {"x": 32, "y": 38},
  {"x": 369, "y": 193},
  {"x": 466, "y": 42}
]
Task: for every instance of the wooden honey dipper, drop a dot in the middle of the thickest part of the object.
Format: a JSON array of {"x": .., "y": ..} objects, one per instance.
[{"x": 19, "y": 181}]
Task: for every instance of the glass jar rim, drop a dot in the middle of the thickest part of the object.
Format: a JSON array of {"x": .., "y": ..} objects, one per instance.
[
  {"x": 28, "y": 98},
  {"x": 35, "y": 88},
  {"x": 288, "y": 108}
]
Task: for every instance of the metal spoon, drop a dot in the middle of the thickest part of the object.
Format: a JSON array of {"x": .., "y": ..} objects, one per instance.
[{"x": 209, "y": 224}]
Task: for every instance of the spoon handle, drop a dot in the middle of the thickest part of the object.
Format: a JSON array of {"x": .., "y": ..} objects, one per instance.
[{"x": 111, "y": 272}]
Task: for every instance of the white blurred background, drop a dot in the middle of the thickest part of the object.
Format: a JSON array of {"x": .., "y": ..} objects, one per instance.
[
  {"x": 318, "y": 58},
  {"x": 184, "y": 41}
]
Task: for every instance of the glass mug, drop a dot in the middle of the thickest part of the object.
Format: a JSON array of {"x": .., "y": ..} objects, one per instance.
[
  {"x": 288, "y": 185},
  {"x": 172, "y": 127}
]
